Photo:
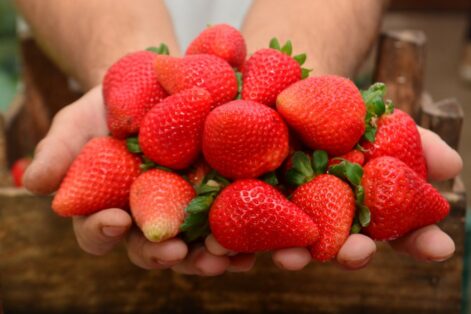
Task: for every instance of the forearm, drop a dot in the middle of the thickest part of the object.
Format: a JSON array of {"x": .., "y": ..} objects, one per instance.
[
  {"x": 336, "y": 34},
  {"x": 85, "y": 37}
]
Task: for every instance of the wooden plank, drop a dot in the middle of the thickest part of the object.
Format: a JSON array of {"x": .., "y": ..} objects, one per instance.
[
  {"x": 43, "y": 269},
  {"x": 400, "y": 64},
  {"x": 455, "y": 5}
]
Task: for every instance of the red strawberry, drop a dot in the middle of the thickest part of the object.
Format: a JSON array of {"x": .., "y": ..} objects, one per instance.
[
  {"x": 397, "y": 136},
  {"x": 328, "y": 112},
  {"x": 18, "y": 169},
  {"x": 269, "y": 71},
  {"x": 399, "y": 199},
  {"x": 99, "y": 178},
  {"x": 330, "y": 203},
  {"x": 130, "y": 90},
  {"x": 158, "y": 200},
  {"x": 354, "y": 156},
  {"x": 197, "y": 172},
  {"x": 244, "y": 139},
  {"x": 221, "y": 40},
  {"x": 251, "y": 215},
  {"x": 206, "y": 71},
  {"x": 172, "y": 131}
]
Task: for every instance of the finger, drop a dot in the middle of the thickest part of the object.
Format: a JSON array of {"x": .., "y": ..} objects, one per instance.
[
  {"x": 213, "y": 247},
  {"x": 201, "y": 262},
  {"x": 97, "y": 234},
  {"x": 150, "y": 255},
  {"x": 443, "y": 162},
  {"x": 71, "y": 128},
  {"x": 241, "y": 263},
  {"x": 426, "y": 244},
  {"x": 292, "y": 258},
  {"x": 356, "y": 252}
]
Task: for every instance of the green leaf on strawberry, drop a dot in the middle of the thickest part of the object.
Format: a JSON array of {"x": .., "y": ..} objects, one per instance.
[
  {"x": 161, "y": 50},
  {"x": 196, "y": 224},
  {"x": 353, "y": 173},
  {"x": 376, "y": 106}
]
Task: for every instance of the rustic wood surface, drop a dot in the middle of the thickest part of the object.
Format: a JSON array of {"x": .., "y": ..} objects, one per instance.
[
  {"x": 43, "y": 269},
  {"x": 400, "y": 65}
]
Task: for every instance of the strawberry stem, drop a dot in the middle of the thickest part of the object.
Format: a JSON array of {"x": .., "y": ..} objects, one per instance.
[{"x": 270, "y": 178}]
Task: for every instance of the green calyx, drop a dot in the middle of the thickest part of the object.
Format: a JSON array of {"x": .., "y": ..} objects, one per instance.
[
  {"x": 304, "y": 169},
  {"x": 132, "y": 144},
  {"x": 376, "y": 106},
  {"x": 287, "y": 49},
  {"x": 196, "y": 225},
  {"x": 352, "y": 173},
  {"x": 239, "y": 84},
  {"x": 161, "y": 50}
]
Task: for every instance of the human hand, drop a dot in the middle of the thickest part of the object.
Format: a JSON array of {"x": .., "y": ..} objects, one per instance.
[
  {"x": 429, "y": 243},
  {"x": 99, "y": 233}
]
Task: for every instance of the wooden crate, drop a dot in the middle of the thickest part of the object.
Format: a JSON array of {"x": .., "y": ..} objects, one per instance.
[{"x": 42, "y": 270}]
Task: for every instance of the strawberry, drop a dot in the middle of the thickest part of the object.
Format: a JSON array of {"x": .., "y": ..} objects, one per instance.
[
  {"x": 18, "y": 169},
  {"x": 354, "y": 156},
  {"x": 269, "y": 71},
  {"x": 99, "y": 178},
  {"x": 158, "y": 199},
  {"x": 327, "y": 112},
  {"x": 244, "y": 139},
  {"x": 130, "y": 90},
  {"x": 198, "y": 172},
  {"x": 399, "y": 199},
  {"x": 172, "y": 131},
  {"x": 250, "y": 216},
  {"x": 330, "y": 203},
  {"x": 397, "y": 136},
  {"x": 206, "y": 71},
  {"x": 221, "y": 40}
]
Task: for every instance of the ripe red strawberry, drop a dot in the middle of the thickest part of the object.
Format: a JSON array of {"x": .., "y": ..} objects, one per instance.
[
  {"x": 250, "y": 216},
  {"x": 397, "y": 136},
  {"x": 244, "y": 139},
  {"x": 221, "y": 40},
  {"x": 206, "y": 71},
  {"x": 354, "y": 156},
  {"x": 158, "y": 200},
  {"x": 269, "y": 71},
  {"x": 130, "y": 90},
  {"x": 99, "y": 178},
  {"x": 327, "y": 112},
  {"x": 18, "y": 169},
  {"x": 330, "y": 203},
  {"x": 171, "y": 133},
  {"x": 399, "y": 199},
  {"x": 197, "y": 172}
]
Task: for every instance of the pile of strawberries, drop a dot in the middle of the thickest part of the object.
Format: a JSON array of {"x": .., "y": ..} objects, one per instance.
[{"x": 251, "y": 150}]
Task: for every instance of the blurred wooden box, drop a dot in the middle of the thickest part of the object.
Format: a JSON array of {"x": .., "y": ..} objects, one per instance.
[{"x": 42, "y": 270}]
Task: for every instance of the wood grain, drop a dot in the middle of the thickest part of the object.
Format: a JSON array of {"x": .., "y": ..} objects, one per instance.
[
  {"x": 43, "y": 269},
  {"x": 400, "y": 65}
]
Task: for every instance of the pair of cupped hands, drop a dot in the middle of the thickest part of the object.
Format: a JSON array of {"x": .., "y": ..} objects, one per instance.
[{"x": 99, "y": 233}]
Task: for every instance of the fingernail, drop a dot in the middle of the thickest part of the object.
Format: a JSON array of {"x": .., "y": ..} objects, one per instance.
[
  {"x": 359, "y": 263},
  {"x": 113, "y": 231},
  {"x": 165, "y": 263},
  {"x": 441, "y": 259}
]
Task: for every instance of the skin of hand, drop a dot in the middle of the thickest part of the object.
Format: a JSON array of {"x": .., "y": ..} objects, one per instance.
[{"x": 98, "y": 233}]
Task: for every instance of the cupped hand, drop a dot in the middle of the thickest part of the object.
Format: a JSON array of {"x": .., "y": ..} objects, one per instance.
[
  {"x": 429, "y": 243},
  {"x": 99, "y": 233}
]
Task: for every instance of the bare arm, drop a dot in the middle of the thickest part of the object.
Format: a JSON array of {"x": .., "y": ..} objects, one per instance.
[
  {"x": 85, "y": 37},
  {"x": 336, "y": 35}
]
